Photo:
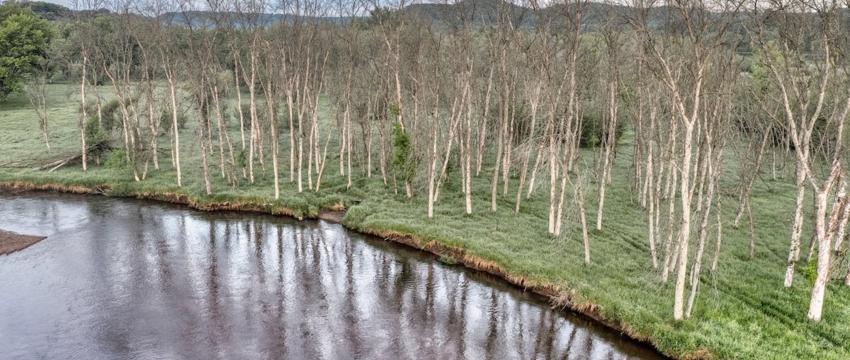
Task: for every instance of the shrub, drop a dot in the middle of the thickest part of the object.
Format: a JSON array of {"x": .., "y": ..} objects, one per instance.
[
  {"x": 810, "y": 272},
  {"x": 109, "y": 113},
  {"x": 94, "y": 133},
  {"x": 117, "y": 160},
  {"x": 592, "y": 134},
  {"x": 97, "y": 140},
  {"x": 402, "y": 154},
  {"x": 165, "y": 120}
]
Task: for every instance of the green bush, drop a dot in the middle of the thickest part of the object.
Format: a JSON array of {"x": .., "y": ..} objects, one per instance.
[
  {"x": 403, "y": 154},
  {"x": 94, "y": 133},
  {"x": 165, "y": 120},
  {"x": 810, "y": 272},
  {"x": 592, "y": 134},
  {"x": 97, "y": 140},
  {"x": 117, "y": 160},
  {"x": 109, "y": 113}
]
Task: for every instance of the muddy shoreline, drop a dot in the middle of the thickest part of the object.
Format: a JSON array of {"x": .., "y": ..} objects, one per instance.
[
  {"x": 12, "y": 242},
  {"x": 558, "y": 297}
]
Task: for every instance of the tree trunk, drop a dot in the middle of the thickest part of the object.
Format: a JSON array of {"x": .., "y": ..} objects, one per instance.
[
  {"x": 494, "y": 189},
  {"x": 535, "y": 100},
  {"x": 712, "y": 174},
  {"x": 824, "y": 254},
  {"x": 175, "y": 131},
  {"x": 432, "y": 161},
  {"x": 794, "y": 253},
  {"x": 253, "y": 113},
  {"x": 719, "y": 236},
  {"x": 685, "y": 229},
  {"x": 84, "y": 120},
  {"x": 482, "y": 133}
]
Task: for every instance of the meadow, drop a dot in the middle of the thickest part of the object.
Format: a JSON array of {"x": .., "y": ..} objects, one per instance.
[{"x": 742, "y": 312}]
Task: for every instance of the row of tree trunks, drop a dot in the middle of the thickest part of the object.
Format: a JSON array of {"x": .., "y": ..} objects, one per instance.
[{"x": 517, "y": 103}]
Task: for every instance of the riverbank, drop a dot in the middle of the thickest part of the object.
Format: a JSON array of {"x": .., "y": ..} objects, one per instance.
[
  {"x": 566, "y": 292},
  {"x": 12, "y": 242},
  {"x": 328, "y": 291},
  {"x": 742, "y": 311},
  {"x": 557, "y": 297}
]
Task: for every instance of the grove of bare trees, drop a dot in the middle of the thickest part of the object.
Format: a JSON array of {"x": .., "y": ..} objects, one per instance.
[{"x": 535, "y": 98}]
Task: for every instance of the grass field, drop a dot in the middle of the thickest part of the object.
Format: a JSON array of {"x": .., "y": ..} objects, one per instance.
[{"x": 742, "y": 312}]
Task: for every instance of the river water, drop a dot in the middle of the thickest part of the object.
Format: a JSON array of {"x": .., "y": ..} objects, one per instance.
[{"x": 130, "y": 279}]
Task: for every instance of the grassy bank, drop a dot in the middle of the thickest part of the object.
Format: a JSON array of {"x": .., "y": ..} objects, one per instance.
[{"x": 742, "y": 312}]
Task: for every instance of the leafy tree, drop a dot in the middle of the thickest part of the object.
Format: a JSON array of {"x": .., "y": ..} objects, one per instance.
[
  {"x": 403, "y": 156},
  {"x": 23, "y": 44},
  {"x": 48, "y": 11},
  {"x": 383, "y": 16}
]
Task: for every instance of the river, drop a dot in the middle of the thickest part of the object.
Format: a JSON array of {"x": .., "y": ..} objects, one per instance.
[{"x": 132, "y": 279}]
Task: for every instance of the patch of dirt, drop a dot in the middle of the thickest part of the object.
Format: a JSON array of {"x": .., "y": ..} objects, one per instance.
[
  {"x": 332, "y": 216},
  {"x": 11, "y": 242}
]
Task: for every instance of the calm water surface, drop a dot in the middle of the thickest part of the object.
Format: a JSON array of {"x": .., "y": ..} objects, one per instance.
[{"x": 126, "y": 279}]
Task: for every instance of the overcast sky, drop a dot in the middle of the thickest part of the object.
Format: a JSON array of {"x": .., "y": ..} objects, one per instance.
[{"x": 65, "y": 3}]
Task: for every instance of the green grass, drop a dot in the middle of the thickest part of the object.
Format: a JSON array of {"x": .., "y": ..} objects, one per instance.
[
  {"x": 447, "y": 259},
  {"x": 742, "y": 312}
]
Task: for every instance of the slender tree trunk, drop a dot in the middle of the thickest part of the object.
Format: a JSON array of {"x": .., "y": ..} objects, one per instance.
[
  {"x": 218, "y": 120},
  {"x": 153, "y": 122},
  {"x": 499, "y": 148},
  {"x": 83, "y": 122},
  {"x": 320, "y": 168},
  {"x": 432, "y": 161},
  {"x": 541, "y": 153},
  {"x": 610, "y": 140},
  {"x": 559, "y": 217},
  {"x": 824, "y": 254},
  {"x": 253, "y": 146},
  {"x": 712, "y": 174},
  {"x": 719, "y": 235},
  {"x": 527, "y": 157},
  {"x": 669, "y": 254},
  {"x": 794, "y": 253},
  {"x": 467, "y": 153},
  {"x": 685, "y": 230},
  {"x": 175, "y": 131},
  {"x": 553, "y": 181},
  {"x": 652, "y": 209},
  {"x": 482, "y": 133},
  {"x": 506, "y": 163},
  {"x": 579, "y": 195},
  {"x": 275, "y": 138},
  {"x": 750, "y": 179},
  {"x": 236, "y": 66},
  {"x": 292, "y": 140}
]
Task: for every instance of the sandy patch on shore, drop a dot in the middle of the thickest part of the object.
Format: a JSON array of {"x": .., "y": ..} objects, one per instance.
[
  {"x": 11, "y": 242},
  {"x": 332, "y": 216}
]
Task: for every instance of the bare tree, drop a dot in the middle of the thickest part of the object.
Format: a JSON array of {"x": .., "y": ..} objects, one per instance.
[
  {"x": 35, "y": 88},
  {"x": 804, "y": 76},
  {"x": 680, "y": 60}
]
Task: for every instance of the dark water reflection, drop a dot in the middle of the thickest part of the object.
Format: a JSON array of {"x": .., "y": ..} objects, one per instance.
[{"x": 120, "y": 279}]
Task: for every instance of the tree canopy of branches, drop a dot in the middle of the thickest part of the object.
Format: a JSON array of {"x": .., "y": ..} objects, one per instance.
[{"x": 530, "y": 99}]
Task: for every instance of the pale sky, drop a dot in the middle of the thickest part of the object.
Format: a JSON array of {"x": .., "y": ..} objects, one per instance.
[{"x": 65, "y": 3}]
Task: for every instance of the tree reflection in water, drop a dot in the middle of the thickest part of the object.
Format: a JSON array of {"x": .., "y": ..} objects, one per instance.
[{"x": 120, "y": 278}]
